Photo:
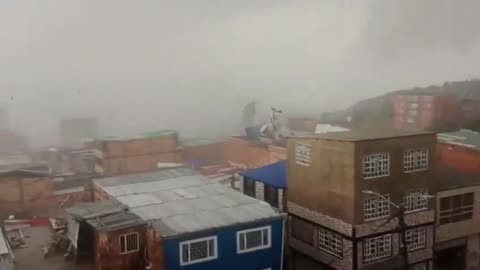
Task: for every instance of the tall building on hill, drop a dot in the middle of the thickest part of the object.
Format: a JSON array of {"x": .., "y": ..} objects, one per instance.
[
  {"x": 426, "y": 112},
  {"x": 348, "y": 193}
]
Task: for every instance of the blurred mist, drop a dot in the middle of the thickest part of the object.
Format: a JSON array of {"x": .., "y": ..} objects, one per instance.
[{"x": 193, "y": 65}]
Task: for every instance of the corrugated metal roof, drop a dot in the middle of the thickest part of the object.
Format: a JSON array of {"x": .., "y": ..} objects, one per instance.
[
  {"x": 105, "y": 215},
  {"x": 145, "y": 177},
  {"x": 464, "y": 137},
  {"x": 186, "y": 204}
]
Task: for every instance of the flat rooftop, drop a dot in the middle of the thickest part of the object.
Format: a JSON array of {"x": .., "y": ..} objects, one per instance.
[
  {"x": 464, "y": 137},
  {"x": 183, "y": 202},
  {"x": 364, "y": 135}
]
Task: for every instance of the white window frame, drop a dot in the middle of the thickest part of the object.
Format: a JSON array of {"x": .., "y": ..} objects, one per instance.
[
  {"x": 205, "y": 239},
  {"x": 415, "y": 160},
  {"x": 125, "y": 236},
  {"x": 263, "y": 246},
  {"x": 386, "y": 240},
  {"x": 376, "y": 165},
  {"x": 416, "y": 201},
  {"x": 303, "y": 154},
  {"x": 416, "y": 238},
  {"x": 463, "y": 209},
  {"x": 376, "y": 207},
  {"x": 330, "y": 242}
]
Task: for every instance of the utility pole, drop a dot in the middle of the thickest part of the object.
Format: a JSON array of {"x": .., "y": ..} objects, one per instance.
[{"x": 402, "y": 227}]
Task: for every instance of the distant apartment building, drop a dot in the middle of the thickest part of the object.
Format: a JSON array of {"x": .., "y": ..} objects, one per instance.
[
  {"x": 117, "y": 156},
  {"x": 426, "y": 112},
  {"x": 74, "y": 131},
  {"x": 457, "y": 236},
  {"x": 343, "y": 192},
  {"x": 460, "y": 150}
]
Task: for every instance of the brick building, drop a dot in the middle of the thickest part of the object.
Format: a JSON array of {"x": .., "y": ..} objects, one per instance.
[
  {"x": 426, "y": 112},
  {"x": 26, "y": 190},
  {"x": 117, "y": 156},
  {"x": 334, "y": 220}
]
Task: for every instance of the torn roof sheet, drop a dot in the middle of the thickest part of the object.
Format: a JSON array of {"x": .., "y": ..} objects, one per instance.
[
  {"x": 105, "y": 215},
  {"x": 464, "y": 137},
  {"x": 186, "y": 204}
]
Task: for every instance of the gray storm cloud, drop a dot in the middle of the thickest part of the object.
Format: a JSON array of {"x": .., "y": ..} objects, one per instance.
[{"x": 193, "y": 65}]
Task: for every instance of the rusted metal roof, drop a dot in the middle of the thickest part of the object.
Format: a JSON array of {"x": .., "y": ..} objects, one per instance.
[{"x": 186, "y": 204}]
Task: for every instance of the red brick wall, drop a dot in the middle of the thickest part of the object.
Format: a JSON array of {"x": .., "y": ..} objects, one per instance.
[
  {"x": 205, "y": 154},
  {"x": 459, "y": 157},
  {"x": 253, "y": 155},
  {"x": 37, "y": 194}
]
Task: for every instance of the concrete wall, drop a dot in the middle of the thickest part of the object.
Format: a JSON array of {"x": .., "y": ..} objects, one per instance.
[{"x": 327, "y": 185}]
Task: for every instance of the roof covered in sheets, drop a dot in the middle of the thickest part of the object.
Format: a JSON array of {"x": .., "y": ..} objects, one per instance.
[{"x": 185, "y": 203}]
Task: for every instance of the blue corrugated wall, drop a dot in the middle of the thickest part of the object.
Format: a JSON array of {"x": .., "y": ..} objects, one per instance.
[{"x": 228, "y": 259}]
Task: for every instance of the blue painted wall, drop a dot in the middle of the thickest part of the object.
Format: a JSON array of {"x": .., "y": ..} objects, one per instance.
[{"x": 228, "y": 259}]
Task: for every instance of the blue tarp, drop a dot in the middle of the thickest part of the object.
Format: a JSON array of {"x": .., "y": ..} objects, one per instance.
[{"x": 274, "y": 174}]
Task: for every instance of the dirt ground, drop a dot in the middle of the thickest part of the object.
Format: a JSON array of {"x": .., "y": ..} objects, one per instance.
[{"x": 32, "y": 257}]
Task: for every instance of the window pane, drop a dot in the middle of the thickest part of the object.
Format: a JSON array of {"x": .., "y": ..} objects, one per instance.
[
  {"x": 211, "y": 247},
  {"x": 242, "y": 241},
  {"x": 468, "y": 199},
  {"x": 185, "y": 253},
  {"x": 457, "y": 201},
  {"x": 445, "y": 204},
  {"x": 265, "y": 237},
  {"x": 123, "y": 248},
  {"x": 198, "y": 250},
  {"x": 254, "y": 239}
]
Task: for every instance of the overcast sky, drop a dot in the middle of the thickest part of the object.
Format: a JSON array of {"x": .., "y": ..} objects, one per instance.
[{"x": 193, "y": 64}]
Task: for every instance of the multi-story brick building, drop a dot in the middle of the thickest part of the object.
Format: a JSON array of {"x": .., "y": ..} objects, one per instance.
[
  {"x": 117, "y": 156},
  {"x": 335, "y": 223},
  {"x": 426, "y": 112}
]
